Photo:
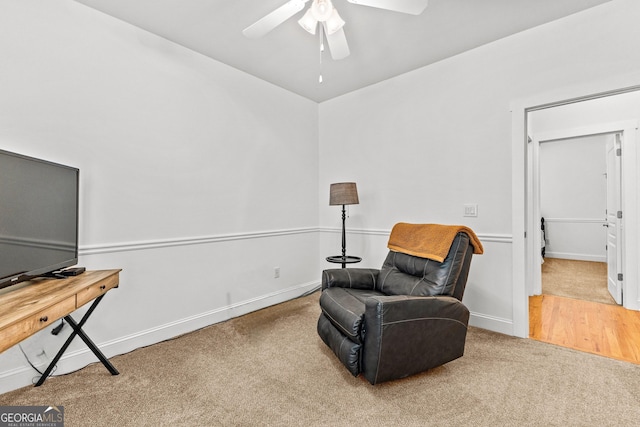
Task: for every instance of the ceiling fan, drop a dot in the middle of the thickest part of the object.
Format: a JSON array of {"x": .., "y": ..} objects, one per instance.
[{"x": 324, "y": 16}]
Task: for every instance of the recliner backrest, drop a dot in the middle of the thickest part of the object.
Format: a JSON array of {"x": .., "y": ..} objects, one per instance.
[{"x": 403, "y": 274}]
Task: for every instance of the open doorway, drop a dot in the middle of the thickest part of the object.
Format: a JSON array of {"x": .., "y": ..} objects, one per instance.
[
  {"x": 610, "y": 124},
  {"x": 615, "y": 105},
  {"x": 576, "y": 184},
  {"x": 573, "y": 204},
  {"x": 576, "y": 139}
]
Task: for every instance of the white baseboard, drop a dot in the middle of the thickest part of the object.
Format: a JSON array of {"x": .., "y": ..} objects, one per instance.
[
  {"x": 495, "y": 324},
  {"x": 75, "y": 360}
]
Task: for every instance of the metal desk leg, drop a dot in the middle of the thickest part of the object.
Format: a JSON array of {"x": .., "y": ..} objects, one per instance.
[{"x": 77, "y": 330}]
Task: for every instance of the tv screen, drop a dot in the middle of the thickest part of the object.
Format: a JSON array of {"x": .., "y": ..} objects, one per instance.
[{"x": 38, "y": 217}]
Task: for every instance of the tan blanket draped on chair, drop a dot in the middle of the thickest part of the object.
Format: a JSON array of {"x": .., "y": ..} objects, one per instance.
[{"x": 431, "y": 241}]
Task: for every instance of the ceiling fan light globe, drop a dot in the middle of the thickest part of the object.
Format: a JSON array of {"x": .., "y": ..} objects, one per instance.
[
  {"x": 308, "y": 22},
  {"x": 334, "y": 23},
  {"x": 321, "y": 9}
]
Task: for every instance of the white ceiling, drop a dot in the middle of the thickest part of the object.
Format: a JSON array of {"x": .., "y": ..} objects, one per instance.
[{"x": 383, "y": 44}]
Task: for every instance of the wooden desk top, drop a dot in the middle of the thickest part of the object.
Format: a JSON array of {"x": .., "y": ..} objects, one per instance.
[{"x": 22, "y": 305}]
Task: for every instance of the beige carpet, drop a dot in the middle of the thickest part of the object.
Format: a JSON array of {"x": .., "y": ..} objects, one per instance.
[
  {"x": 270, "y": 368},
  {"x": 585, "y": 280}
]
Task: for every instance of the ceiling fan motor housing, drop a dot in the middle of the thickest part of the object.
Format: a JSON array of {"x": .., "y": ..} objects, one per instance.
[{"x": 322, "y": 9}]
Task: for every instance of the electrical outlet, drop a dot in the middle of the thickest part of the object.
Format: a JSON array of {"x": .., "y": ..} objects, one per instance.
[
  {"x": 276, "y": 272},
  {"x": 471, "y": 210}
]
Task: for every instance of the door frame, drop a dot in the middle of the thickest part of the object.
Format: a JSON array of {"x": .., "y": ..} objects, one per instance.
[
  {"x": 520, "y": 207},
  {"x": 534, "y": 284}
]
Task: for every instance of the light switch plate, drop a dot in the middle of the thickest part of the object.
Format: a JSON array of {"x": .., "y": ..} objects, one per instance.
[{"x": 471, "y": 210}]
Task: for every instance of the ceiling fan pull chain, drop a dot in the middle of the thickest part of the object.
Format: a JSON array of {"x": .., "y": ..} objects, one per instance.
[{"x": 321, "y": 39}]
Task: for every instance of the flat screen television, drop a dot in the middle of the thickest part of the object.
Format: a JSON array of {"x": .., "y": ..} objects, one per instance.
[{"x": 38, "y": 217}]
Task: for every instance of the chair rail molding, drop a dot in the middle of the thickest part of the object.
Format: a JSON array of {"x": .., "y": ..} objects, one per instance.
[
  {"x": 485, "y": 237},
  {"x": 187, "y": 241},
  {"x": 577, "y": 220}
]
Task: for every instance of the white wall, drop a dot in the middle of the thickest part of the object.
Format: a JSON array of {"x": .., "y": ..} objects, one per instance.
[
  {"x": 422, "y": 145},
  {"x": 573, "y": 197},
  {"x": 165, "y": 139},
  {"x": 196, "y": 179}
]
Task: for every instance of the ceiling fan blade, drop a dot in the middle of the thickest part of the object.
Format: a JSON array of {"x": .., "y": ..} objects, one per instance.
[
  {"x": 338, "y": 44},
  {"x": 273, "y": 19},
  {"x": 412, "y": 7}
]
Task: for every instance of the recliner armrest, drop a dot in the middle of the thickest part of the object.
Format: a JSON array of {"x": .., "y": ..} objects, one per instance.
[
  {"x": 354, "y": 278},
  {"x": 394, "y": 308},
  {"x": 426, "y": 332}
]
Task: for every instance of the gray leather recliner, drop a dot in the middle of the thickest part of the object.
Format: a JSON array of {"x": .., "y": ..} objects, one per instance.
[{"x": 404, "y": 318}]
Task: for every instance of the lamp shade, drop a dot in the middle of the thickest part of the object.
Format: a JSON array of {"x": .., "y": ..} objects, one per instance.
[
  {"x": 308, "y": 22},
  {"x": 343, "y": 193},
  {"x": 334, "y": 23}
]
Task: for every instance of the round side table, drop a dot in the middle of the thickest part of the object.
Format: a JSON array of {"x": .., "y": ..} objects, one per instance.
[{"x": 344, "y": 260}]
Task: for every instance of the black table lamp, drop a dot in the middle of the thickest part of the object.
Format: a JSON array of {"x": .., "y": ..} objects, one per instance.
[{"x": 343, "y": 193}]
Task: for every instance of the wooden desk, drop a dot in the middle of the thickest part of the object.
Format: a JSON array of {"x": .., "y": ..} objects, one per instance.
[{"x": 31, "y": 306}]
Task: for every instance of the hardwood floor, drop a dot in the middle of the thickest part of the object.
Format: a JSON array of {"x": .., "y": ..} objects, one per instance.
[{"x": 603, "y": 329}]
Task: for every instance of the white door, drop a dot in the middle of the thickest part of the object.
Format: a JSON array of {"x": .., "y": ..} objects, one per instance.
[{"x": 614, "y": 218}]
